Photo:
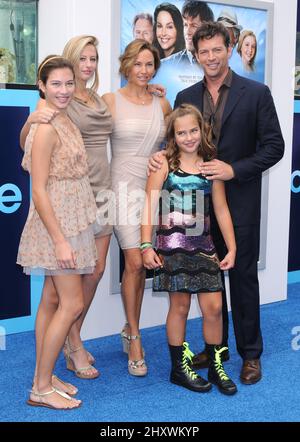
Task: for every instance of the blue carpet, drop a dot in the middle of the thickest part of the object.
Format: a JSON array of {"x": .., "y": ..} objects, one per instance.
[{"x": 118, "y": 397}]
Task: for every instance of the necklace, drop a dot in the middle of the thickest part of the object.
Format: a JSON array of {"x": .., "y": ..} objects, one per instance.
[{"x": 137, "y": 97}]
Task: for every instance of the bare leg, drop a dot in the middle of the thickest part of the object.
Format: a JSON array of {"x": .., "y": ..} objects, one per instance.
[
  {"x": 177, "y": 317},
  {"x": 69, "y": 290},
  {"x": 211, "y": 307},
  {"x": 47, "y": 308},
  {"x": 133, "y": 282},
  {"x": 139, "y": 301},
  {"x": 140, "y": 296},
  {"x": 90, "y": 283}
]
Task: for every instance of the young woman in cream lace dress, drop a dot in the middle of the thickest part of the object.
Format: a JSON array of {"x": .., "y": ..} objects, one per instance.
[{"x": 58, "y": 237}]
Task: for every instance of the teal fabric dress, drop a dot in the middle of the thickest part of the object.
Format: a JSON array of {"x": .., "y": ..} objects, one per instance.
[{"x": 183, "y": 239}]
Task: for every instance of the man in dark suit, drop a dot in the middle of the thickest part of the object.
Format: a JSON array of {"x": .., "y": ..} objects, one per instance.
[{"x": 247, "y": 134}]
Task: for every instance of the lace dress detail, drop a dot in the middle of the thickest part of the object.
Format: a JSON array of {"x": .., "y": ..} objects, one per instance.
[
  {"x": 72, "y": 201},
  {"x": 183, "y": 241}
]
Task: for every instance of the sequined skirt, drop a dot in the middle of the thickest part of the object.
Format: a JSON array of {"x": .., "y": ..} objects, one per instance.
[{"x": 188, "y": 273}]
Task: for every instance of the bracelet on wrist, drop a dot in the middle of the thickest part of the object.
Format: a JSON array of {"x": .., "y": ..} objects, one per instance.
[{"x": 145, "y": 245}]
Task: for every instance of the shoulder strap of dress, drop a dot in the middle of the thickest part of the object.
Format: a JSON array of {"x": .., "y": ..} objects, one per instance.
[{"x": 157, "y": 105}]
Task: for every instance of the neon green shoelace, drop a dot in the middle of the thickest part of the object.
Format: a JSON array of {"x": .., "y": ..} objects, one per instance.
[
  {"x": 186, "y": 358},
  {"x": 219, "y": 365},
  {"x": 187, "y": 352}
]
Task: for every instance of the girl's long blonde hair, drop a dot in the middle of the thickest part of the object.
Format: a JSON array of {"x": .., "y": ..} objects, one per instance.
[{"x": 206, "y": 149}]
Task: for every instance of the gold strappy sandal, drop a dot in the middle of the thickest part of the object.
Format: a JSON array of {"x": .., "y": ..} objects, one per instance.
[
  {"x": 137, "y": 367},
  {"x": 90, "y": 357},
  {"x": 66, "y": 384},
  {"x": 125, "y": 339},
  {"x": 39, "y": 403},
  {"x": 79, "y": 372}
]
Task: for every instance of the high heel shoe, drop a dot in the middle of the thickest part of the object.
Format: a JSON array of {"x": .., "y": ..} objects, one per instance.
[
  {"x": 125, "y": 339},
  {"x": 136, "y": 367},
  {"x": 90, "y": 357},
  {"x": 79, "y": 372}
]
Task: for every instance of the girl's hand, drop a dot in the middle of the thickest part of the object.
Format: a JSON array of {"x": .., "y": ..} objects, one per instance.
[
  {"x": 65, "y": 255},
  {"x": 157, "y": 89},
  {"x": 151, "y": 259},
  {"x": 228, "y": 261},
  {"x": 42, "y": 116},
  {"x": 155, "y": 162}
]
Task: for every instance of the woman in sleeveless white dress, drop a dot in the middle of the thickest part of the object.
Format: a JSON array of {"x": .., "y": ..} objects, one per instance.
[{"x": 138, "y": 131}]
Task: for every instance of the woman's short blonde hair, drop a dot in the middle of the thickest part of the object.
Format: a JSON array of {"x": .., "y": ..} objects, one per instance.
[
  {"x": 127, "y": 59},
  {"x": 74, "y": 48}
]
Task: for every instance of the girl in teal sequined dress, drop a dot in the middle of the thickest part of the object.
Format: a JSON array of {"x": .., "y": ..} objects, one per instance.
[{"x": 185, "y": 260}]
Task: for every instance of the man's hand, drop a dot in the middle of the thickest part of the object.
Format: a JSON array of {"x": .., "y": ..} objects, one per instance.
[
  {"x": 157, "y": 89},
  {"x": 216, "y": 170},
  {"x": 155, "y": 162}
]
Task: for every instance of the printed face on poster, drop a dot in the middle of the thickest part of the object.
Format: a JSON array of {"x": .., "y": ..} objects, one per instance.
[{"x": 170, "y": 27}]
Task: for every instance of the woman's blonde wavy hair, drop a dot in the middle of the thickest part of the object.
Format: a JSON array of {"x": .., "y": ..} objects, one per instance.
[
  {"x": 206, "y": 149},
  {"x": 132, "y": 50},
  {"x": 73, "y": 49}
]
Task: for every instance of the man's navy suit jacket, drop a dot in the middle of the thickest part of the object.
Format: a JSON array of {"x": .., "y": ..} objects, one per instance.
[{"x": 250, "y": 141}]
